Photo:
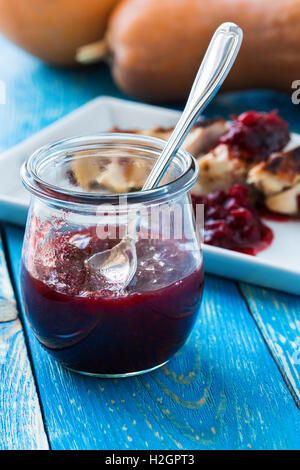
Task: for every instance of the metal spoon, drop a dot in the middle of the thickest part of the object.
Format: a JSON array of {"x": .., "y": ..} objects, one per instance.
[{"x": 118, "y": 265}]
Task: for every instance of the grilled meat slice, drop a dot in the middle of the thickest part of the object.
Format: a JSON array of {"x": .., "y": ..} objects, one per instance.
[
  {"x": 203, "y": 136},
  {"x": 278, "y": 179},
  {"x": 122, "y": 175},
  {"x": 219, "y": 169}
]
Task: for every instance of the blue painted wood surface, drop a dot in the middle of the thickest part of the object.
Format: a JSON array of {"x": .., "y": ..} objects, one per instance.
[
  {"x": 278, "y": 318},
  {"x": 21, "y": 424},
  {"x": 223, "y": 390}
]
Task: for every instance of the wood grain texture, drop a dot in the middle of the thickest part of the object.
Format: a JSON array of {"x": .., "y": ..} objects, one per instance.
[
  {"x": 221, "y": 391},
  {"x": 278, "y": 318},
  {"x": 8, "y": 306},
  {"x": 21, "y": 421}
]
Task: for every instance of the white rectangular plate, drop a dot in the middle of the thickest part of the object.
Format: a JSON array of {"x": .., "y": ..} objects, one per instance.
[{"x": 276, "y": 267}]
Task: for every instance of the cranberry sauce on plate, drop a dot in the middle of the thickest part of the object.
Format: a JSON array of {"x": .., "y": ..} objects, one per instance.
[
  {"x": 231, "y": 221},
  {"x": 254, "y": 136}
]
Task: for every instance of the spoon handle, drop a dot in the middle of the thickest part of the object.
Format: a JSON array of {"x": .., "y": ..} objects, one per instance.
[{"x": 217, "y": 62}]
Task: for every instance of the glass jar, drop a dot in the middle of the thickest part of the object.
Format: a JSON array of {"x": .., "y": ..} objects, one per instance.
[{"x": 90, "y": 326}]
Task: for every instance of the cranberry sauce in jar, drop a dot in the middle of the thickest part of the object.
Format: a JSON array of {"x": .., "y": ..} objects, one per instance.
[
  {"x": 88, "y": 322},
  {"x": 93, "y": 328}
]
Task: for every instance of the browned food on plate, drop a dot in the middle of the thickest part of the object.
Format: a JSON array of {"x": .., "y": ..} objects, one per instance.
[
  {"x": 157, "y": 45},
  {"x": 123, "y": 175},
  {"x": 250, "y": 139},
  {"x": 227, "y": 154},
  {"x": 219, "y": 169},
  {"x": 278, "y": 179},
  {"x": 119, "y": 175},
  {"x": 54, "y": 29},
  {"x": 202, "y": 137}
]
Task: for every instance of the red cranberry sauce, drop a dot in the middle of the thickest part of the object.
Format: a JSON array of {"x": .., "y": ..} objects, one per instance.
[
  {"x": 230, "y": 221},
  {"x": 100, "y": 331},
  {"x": 254, "y": 136},
  {"x": 275, "y": 216}
]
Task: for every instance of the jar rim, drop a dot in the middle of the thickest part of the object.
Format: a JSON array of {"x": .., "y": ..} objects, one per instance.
[{"x": 57, "y": 194}]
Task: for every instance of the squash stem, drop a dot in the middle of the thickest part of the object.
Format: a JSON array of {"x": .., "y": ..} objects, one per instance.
[{"x": 92, "y": 53}]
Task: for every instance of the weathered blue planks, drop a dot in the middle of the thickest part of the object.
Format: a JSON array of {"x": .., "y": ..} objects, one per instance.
[
  {"x": 278, "y": 318},
  {"x": 222, "y": 391},
  {"x": 21, "y": 424}
]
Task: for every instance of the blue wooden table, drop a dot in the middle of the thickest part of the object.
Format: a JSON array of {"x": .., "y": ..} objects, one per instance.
[{"x": 234, "y": 385}]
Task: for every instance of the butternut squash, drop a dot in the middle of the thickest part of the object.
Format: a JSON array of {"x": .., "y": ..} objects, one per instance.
[
  {"x": 157, "y": 45},
  {"x": 54, "y": 29}
]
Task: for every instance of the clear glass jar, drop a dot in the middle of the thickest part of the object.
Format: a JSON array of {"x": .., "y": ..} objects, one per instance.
[{"x": 88, "y": 326}]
